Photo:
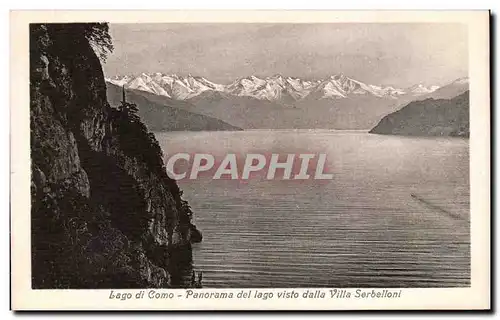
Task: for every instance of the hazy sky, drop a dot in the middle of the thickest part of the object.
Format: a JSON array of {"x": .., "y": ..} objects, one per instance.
[{"x": 388, "y": 54}]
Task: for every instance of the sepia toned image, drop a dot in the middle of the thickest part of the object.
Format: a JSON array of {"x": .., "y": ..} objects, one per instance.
[
  {"x": 387, "y": 103},
  {"x": 329, "y": 157}
]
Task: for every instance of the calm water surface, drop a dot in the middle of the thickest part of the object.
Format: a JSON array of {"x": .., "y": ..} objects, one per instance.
[{"x": 395, "y": 214}]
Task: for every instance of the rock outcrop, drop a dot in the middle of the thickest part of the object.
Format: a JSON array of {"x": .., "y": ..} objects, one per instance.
[{"x": 104, "y": 212}]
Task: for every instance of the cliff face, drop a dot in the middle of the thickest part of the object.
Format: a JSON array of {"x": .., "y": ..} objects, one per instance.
[
  {"x": 104, "y": 212},
  {"x": 430, "y": 117}
]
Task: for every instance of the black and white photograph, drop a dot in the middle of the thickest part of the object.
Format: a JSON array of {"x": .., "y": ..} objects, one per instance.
[{"x": 256, "y": 155}]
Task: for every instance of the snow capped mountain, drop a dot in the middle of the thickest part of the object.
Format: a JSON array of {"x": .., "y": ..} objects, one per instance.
[
  {"x": 450, "y": 90},
  {"x": 119, "y": 81},
  {"x": 461, "y": 81},
  {"x": 340, "y": 86},
  {"x": 245, "y": 86},
  {"x": 328, "y": 90},
  {"x": 172, "y": 86},
  {"x": 420, "y": 89},
  {"x": 275, "y": 88},
  {"x": 271, "y": 88},
  {"x": 145, "y": 83},
  {"x": 388, "y": 91}
]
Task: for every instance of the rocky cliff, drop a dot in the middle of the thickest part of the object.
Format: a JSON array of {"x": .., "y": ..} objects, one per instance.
[
  {"x": 104, "y": 212},
  {"x": 430, "y": 117}
]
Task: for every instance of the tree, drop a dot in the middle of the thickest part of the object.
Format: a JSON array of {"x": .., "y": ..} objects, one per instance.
[
  {"x": 95, "y": 34},
  {"x": 98, "y": 36},
  {"x": 129, "y": 109}
]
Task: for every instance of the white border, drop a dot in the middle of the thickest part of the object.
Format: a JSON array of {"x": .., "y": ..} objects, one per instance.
[{"x": 475, "y": 297}]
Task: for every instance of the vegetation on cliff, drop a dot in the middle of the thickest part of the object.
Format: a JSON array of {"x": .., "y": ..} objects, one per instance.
[{"x": 104, "y": 213}]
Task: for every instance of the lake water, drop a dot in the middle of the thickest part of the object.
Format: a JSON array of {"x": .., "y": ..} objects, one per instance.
[{"x": 395, "y": 214}]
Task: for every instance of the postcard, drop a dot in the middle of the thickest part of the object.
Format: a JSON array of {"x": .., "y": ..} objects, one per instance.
[{"x": 250, "y": 160}]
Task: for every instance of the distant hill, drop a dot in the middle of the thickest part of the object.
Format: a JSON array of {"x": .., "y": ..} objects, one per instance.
[
  {"x": 165, "y": 116},
  {"x": 430, "y": 117},
  {"x": 245, "y": 112},
  {"x": 278, "y": 102},
  {"x": 449, "y": 91}
]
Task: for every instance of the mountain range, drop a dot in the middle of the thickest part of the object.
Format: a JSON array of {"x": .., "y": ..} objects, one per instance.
[
  {"x": 278, "y": 102},
  {"x": 274, "y": 88}
]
